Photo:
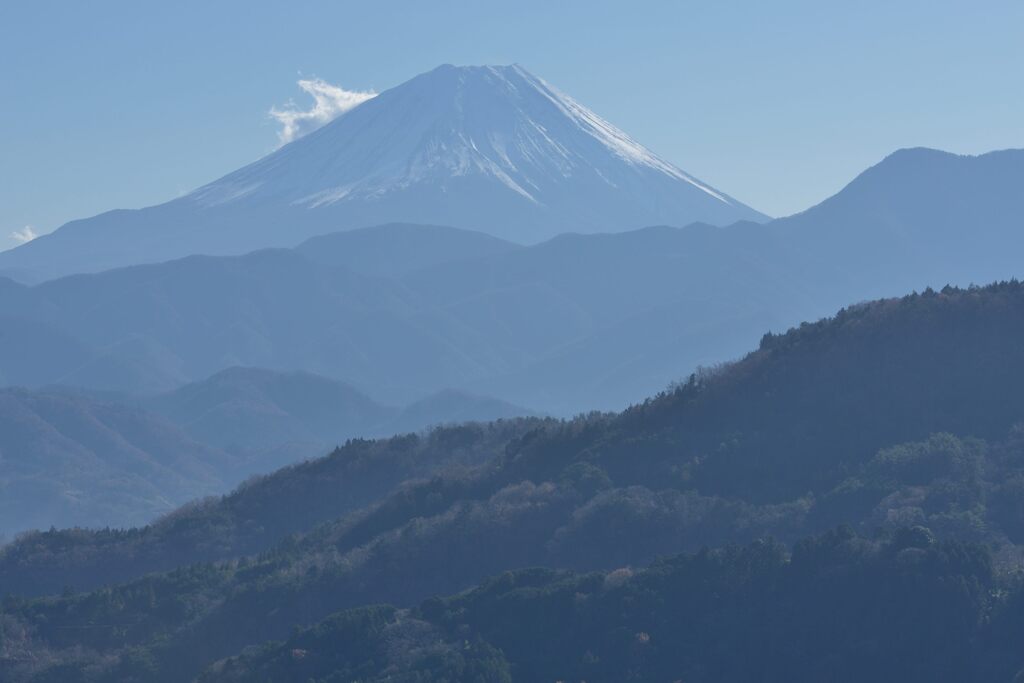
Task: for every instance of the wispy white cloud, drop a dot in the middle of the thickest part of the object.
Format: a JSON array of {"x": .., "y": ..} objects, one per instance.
[
  {"x": 329, "y": 102},
  {"x": 26, "y": 234}
]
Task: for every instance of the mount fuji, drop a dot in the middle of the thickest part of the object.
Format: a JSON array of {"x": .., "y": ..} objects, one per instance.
[{"x": 492, "y": 148}]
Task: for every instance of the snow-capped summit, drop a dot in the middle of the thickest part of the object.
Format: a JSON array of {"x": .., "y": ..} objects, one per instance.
[
  {"x": 454, "y": 125},
  {"x": 487, "y": 147}
]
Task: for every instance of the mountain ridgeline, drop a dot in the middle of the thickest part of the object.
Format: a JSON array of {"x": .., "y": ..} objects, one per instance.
[
  {"x": 576, "y": 323},
  {"x": 900, "y": 419}
]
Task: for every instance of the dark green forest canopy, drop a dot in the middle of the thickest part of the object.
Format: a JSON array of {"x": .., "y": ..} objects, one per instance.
[
  {"x": 891, "y": 415},
  {"x": 840, "y": 608}
]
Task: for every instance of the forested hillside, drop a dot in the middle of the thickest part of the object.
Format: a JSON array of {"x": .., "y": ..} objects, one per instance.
[
  {"x": 71, "y": 458},
  {"x": 252, "y": 519},
  {"x": 840, "y": 608},
  {"x": 895, "y": 414}
]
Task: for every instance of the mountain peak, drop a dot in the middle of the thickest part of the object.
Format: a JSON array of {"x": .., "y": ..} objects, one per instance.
[
  {"x": 455, "y": 126},
  {"x": 492, "y": 148},
  {"x": 922, "y": 171}
]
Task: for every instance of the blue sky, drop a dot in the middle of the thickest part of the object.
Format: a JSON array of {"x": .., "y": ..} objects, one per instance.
[{"x": 125, "y": 104}]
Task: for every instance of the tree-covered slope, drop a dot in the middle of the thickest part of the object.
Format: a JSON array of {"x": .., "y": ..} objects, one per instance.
[
  {"x": 892, "y": 413},
  {"x": 253, "y": 518},
  {"x": 838, "y": 608}
]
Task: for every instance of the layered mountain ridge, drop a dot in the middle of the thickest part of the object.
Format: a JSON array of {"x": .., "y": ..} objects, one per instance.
[
  {"x": 71, "y": 457},
  {"x": 578, "y": 322}
]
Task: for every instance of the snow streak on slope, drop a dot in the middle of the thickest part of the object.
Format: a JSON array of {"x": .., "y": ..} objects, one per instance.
[{"x": 613, "y": 138}]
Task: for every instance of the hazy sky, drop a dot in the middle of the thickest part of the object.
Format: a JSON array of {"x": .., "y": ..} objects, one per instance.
[{"x": 120, "y": 105}]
